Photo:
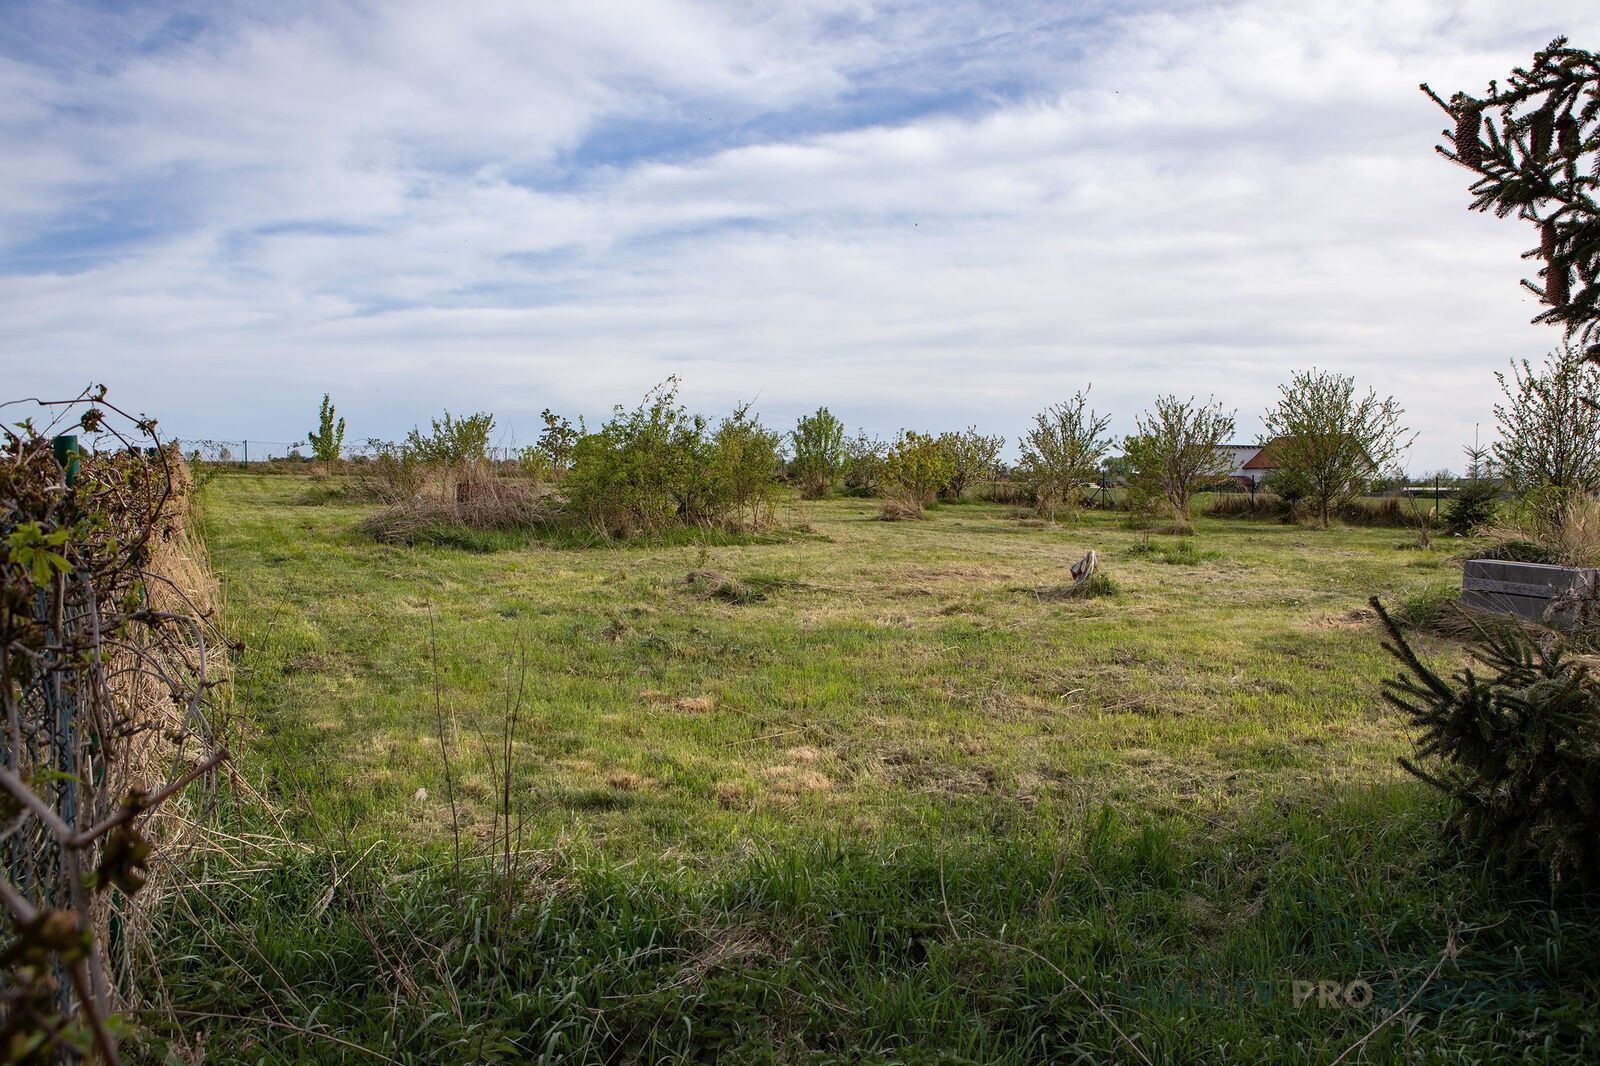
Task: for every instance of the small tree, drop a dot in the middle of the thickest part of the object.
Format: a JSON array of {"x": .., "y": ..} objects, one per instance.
[
  {"x": 1541, "y": 164},
  {"x": 534, "y": 464},
  {"x": 327, "y": 440},
  {"x": 973, "y": 458},
  {"x": 454, "y": 442},
  {"x": 1549, "y": 432},
  {"x": 1477, "y": 495},
  {"x": 1330, "y": 443},
  {"x": 863, "y": 464},
  {"x": 1514, "y": 741},
  {"x": 1063, "y": 452},
  {"x": 915, "y": 471},
  {"x": 557, "y": 441},
  {"x": 819, "y": 453},
  {"x": 457, "y": 448},
  {"x": 1178, "y": 451},
  {"x": 745, "y": 464}
]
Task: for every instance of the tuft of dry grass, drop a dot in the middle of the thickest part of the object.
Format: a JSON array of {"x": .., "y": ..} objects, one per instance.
[
  {"x": 898, "y": 510},
  {"x": 489, "y": 505},
  {"x": 1549, "y": 527}
]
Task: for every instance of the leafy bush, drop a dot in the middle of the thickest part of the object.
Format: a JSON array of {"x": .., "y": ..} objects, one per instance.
[
  {"x": 1517, "y": 751},
  {"x": 1549, "y": 426},
  {"x": 1177, "y": 451},
  {"x": 659, "y": 465},
  {"x": 916, "y": 470},
  {"x": 455, "y": 450},
  {"x": 863, "y": 464},
  {"x": 973, "y": 458},
  {"x": 819, "y": 453},
  {"x": 394, "y": 472},
  {"x": 557, "y": 441},
  {"x": 1062, "y": 453},
  {"x": 453, "y": 442},
  {"x": 745, "y": 463}
]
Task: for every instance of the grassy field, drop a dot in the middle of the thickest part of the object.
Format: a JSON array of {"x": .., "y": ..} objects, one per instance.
[{"x": 891, "y": 798}]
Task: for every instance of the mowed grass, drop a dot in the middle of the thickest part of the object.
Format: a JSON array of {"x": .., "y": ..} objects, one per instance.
[
  {"x": 897, "y": 800},
  {"x": 875, "y": 671}
]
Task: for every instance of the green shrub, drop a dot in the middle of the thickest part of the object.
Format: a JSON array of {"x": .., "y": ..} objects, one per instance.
[
  {"x": 453, "y": 442},
  {"x": 973, "y": 458},
  {"x": 863, "y": 465},
  {"x": 819, "y": 453},
  {"x": 1473, "y": 508},
  {"x": 1062, "y": 453},
  {"x": 916, "y": 470},
  {"x": 455, "y": 452},
  {"x": 1517, "y": 750},
  {"x": 745, "y": 463},
  {"x": 659, "y": 466}
]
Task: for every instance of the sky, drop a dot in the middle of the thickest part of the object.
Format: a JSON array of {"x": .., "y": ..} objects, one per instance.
[{"x": 924, "y": 215}]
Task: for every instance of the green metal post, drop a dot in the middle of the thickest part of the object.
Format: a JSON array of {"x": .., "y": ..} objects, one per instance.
[{"x": 66, "y": 449}]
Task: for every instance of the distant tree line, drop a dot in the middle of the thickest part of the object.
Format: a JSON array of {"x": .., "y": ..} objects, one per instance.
[{"x": 1326, "y": 442}]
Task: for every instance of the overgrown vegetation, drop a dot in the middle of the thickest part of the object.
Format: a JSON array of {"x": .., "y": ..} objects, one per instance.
[
  {"x": 106, "y": 684},
  {"x": 856, "y": 795},
  {"x": 1177, "y": 451},
  {"x": 1328, "y": 442},
  {"x": 863, "y": 464},
  {"x": 974, "y": 457},
  {"x": 1062, "y": 453},
  {"x": 916, "y": 469},
  {"x": 659, "y": 465},
  {"x": 1517, "y": 749},
  {"x": 818, "y": 462},
  {"x": 1549, "y": 425}
]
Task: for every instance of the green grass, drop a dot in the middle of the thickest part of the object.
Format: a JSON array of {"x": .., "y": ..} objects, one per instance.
[{"x": 880, "y": 806}]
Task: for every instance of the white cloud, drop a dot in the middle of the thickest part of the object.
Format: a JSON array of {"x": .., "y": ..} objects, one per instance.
[{"x": 412, "y": 206}]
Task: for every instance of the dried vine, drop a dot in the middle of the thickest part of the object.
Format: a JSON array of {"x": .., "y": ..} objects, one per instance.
[{"x": 106, "y": 681}]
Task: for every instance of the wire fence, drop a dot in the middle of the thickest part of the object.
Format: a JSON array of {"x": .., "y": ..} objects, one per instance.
[{"x": 246, "y": 452}]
